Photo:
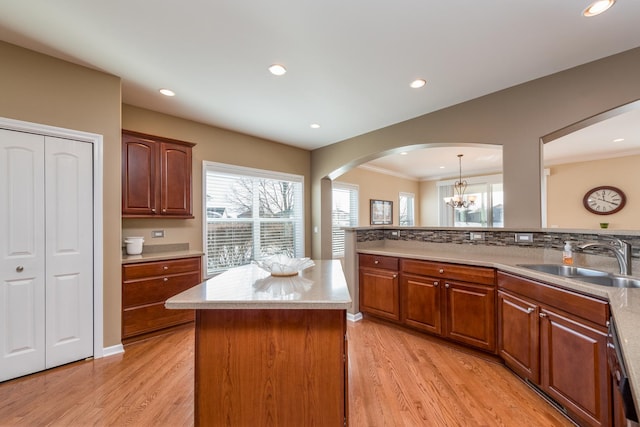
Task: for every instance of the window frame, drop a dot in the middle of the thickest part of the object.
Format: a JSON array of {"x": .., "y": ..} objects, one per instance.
[{"x": 298, "y": 220}]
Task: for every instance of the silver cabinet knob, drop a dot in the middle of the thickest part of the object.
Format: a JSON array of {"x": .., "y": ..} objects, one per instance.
[
  {"x": 166, "y": 279},
  {"x": 543, "y": 314},
  {"x": 395, "y": 275},
  {"x": 376, "y": 262},
  {"x": 530, "y": 310},
  {"x": 441, "y": 271},
  {"x": 446, "y": 285},
  {"x": 166, "y": 267},
  {"x": 436, "y": 283},
  {"x": 19, "y": 269}
]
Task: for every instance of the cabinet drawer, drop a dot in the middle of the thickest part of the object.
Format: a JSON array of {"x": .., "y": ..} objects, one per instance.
[
  {"x": 465, "y": 273},
  {"x": 158, "y": 289},
  {"x": 152, "y": 317},
  {"x": 160, "y": 268},
  {"x": 588, "y": 308},
  {"x": 377, "y": 261}
]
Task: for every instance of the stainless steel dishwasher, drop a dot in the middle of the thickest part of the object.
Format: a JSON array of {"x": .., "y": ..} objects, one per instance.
[{"x": 621, "y": 388}]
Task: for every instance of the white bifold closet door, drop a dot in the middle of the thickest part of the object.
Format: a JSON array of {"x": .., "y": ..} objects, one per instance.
[{"x": 46, "y": 252}]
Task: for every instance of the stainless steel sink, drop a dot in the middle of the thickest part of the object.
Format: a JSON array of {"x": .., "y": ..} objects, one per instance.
[
  {"x": 589, "y": 275},
  {"x": 613, "y": 281},
  {"x": 564, "y": 270}
]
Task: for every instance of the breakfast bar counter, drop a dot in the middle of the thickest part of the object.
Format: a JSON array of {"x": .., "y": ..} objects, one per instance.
[{"x": 270, "y": 350}]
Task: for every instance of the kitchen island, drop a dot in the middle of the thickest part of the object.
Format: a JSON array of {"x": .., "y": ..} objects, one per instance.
[{"x": 270, "y": 350}]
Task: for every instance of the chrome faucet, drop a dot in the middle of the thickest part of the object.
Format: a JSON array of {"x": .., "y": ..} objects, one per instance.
[{"x": 620, "y": 248}]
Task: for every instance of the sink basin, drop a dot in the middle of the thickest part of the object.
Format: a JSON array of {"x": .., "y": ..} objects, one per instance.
[
  {"x": 589, "y": 275},
  {"x": 613, "y": 281},
  {"x": 565, "y": 270}
]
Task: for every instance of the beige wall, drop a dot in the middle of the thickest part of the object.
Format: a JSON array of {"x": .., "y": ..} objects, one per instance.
[
  {"x": 374, "y": 185},
  {"x": 429, "y": 204},
  {"x": 515, "y": 118},
  {"x": 568, "y": 183},
  {"x": 40, "y": 89},
  {"x": 215, "y": 145}
]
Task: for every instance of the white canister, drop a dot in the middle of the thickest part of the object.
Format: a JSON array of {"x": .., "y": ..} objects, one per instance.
[{"x": 134, "y": 245}]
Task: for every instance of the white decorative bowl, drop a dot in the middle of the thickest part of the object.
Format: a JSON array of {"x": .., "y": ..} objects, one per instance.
[{"x": 283, "y": 266}]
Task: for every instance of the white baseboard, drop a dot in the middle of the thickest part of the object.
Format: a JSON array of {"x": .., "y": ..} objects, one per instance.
[
  {"x": 354, "y": 317},
  {"x": 113, "y": 350}
]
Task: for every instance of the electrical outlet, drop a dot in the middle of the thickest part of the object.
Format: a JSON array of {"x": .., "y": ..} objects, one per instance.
[
  {"x": 476, "y": 236},
  {"x": 157, "y": 233},
  {"x": 524, "y": 237}
]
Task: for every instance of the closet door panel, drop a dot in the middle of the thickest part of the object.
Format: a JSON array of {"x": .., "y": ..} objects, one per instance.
[
  {"x": 69, "y": 248},
  {"x": 22, "y": 254}
]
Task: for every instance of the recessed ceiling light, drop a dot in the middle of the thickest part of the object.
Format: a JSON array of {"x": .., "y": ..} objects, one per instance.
[
  {"x": 418, "y": 83},
  {"x": 404, "y": 153},
  {"x": 597, "y": 7},
  {"x": 618, "y": 140},
  {"x": 167, "y": 92},
  {"x": 441, "y": 167},
  {"x": 277, "y": 70},
  {"x": 314, "y": 126}
]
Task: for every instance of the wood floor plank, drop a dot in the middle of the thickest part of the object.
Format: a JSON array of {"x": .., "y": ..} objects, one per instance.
[{"x": 396, "y": 378}]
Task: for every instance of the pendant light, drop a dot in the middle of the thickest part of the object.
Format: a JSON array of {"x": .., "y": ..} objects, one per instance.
[{"x": 459, "y": 200}]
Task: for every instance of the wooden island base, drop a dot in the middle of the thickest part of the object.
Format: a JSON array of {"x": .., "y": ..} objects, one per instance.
[{"x": 265, "y": 367}]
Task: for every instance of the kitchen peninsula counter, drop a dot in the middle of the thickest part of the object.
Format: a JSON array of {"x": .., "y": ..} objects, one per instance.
[
  {"x": 624, "y": 302},
  {"x": 270, "y": 350}
]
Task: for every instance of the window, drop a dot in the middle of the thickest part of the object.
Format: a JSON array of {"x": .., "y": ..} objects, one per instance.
[
  {"x": 344, "y": 213},
  {"x": 406, "y": 205},
  {"x": 487, "y": 210},
  {"x": 250, "y": 214}
]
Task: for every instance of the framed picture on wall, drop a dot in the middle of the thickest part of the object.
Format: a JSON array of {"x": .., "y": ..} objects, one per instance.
[{"x": 381, "y": 212}]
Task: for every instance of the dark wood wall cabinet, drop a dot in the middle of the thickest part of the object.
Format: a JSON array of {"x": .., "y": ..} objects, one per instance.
[
  {"x": 552, "y": 337},
  {"x": 145, "y": 288},
  {"x": 156, "y": 177},
  {"x": 557, "y": 340}
]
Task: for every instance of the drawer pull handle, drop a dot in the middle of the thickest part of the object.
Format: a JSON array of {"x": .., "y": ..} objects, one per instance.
[
  {"x": 166, "y": 279},
  {"x": 543, "y": 315},
  {"x": 441, "y": 271},
  {"x": 165, "y": 267},
  {"x": 376, "y": 262}
]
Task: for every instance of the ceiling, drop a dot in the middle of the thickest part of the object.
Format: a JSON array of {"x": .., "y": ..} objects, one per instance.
[{"x": 349, "y": 62}]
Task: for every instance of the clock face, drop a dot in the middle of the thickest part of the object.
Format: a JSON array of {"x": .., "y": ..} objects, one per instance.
[{"x": 604, "y": 200}]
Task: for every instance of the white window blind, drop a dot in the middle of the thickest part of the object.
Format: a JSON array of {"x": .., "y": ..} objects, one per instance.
[
  {"x": 250, "y": 214},
  {"x": 407, "y": 211},
  {"x": 344, "y": 213}
]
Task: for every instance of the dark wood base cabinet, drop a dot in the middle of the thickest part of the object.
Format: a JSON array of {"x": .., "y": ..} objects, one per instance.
[
  {"x": 557, "y": 340},
  {"x": 379, "y": 292},
  {"x": 145, "y": 288},
  {"x": 554, "y": 338}
]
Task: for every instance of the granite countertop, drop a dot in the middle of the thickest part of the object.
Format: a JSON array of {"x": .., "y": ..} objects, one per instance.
[
  {"x": 624, "y": 303},
  {"x": 322, "y": 286}
]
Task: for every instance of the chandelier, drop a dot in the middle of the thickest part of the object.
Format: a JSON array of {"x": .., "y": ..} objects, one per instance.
[{"x": 459, "y": 200}]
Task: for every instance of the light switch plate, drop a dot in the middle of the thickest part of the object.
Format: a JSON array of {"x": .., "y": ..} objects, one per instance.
[{"x": 157, "y": 233}]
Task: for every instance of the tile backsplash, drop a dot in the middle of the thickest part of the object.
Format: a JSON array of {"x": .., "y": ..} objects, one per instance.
[{"x": 543, "y": 239}]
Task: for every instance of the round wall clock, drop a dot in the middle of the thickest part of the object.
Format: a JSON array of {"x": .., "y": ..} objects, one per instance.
[{"x": 604, "y": 200}]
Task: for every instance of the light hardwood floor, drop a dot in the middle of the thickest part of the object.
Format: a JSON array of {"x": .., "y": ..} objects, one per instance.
[{"x": 397, "y": 378}]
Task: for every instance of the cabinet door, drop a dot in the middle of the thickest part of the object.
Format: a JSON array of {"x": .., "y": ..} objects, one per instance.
[
  {"x": 175, "y": 181},
  {"x": 379, "y": 293},
  {"x": 574, "y": 367},
  {"x": 421, "y": 302},
  {"x": 470, "y": 314},
  {"x": 140, "y": 193},
  {"x": 518, "y": 335}
]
